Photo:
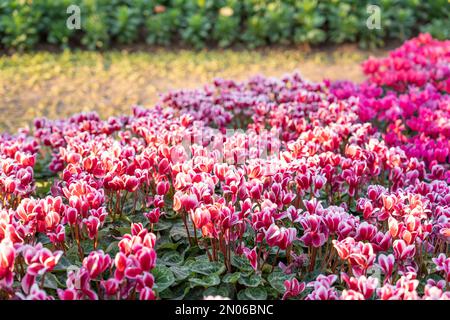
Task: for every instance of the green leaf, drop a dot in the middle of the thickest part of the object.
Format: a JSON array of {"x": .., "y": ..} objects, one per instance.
[
  {"x": 162, "y": 245},
  {"x": 222, "y": 290},
  {"x": 164, "y": 277},
  {"x": 177, "y": 292},
  {"x": 194, "y": 253},
  {"x": 195, "y": 294},
  {"x": 206, "y": 281},
  {"x": 42, "y": 238},
  {"x": 127, "y": 219},
  {"x": 178, "y": 232},
  {"x": 241, "y": 263},
  {"x": 231, "y": 277},
  {"x": 180, "y": 272},
  {"x": 87, "y": 245},
  {"x": 253, "y": 280},
  {"x": 162, "y": 225},
  {"x": 124, "y": 230},
  {"x": 277, "y": 278},
  {"x": 113, "y": 247},
  {"x": 72, "y": 255},
  {"x": 207, "y": 268},
  {"x": 171, "y": 258},
  {"x": 252, "y": 294},
  {"x": 51, "y": 282},
  {"x": 62, "y": 265}
]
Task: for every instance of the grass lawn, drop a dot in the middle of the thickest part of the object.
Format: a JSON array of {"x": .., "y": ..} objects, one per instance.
[{"x": 59, "y": 84}]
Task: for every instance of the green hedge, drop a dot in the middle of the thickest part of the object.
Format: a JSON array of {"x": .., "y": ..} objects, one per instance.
[{"x": 198, "y": 23}]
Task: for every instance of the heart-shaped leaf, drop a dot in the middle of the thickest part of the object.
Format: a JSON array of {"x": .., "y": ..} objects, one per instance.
[
  {"x": 176, "y": 293},
  {"x": 166, "y": 242},
  {"x": 253, "y": 280},
  {"x": 207, "y": 268},
  {"x": 231, "y": 277},
  {"x": 164, "y": 277},
  {"x": 51, "y": 282},
  {"x": 206, "y": 281},
  {"x": 222, "y": 290},
  {"x": 62, "y": 265},
  {"x": 180, "y": 272},
  {"x": 241, "y": 263},
  {"x": 162, "y": 225},
  {"x": 252, "y": 294},
  {"x": 171, "y": 258},
  {"x": 277, "y": 278},
  {"x": 178, "y": 232},
  {"x": 112, "y": 248}
]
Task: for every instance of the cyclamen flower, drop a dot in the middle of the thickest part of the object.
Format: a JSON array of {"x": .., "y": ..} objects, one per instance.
[
  {"x": 292, "y": 288},
  {"x": 39, "y": 259},
  {"x": 403, "y": 251},
  {"x": 313, "y": 234},
  {"x": 443, "y": 264},
  {"x": 153, "y": 215},
  {"x": 200, "y": 217},
  {"x": 365, "y": 286},
  {"x": 96, "y": 263},
  {"x": 386, "y": 264},
  {"x": 35, "y": 293},
  {"x": 92, "y": 225},
  {"x": 281, "y": 237},
  {"x": 322, "y": 288},
  {"x": 252, "y": 256},
  {"x": 7, "y": 256},
  {"x": 78, "y": 285},
  {"x": 436, "y": 290}
]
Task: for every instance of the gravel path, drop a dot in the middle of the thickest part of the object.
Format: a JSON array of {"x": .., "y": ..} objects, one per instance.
[{"x": 59, "y": 84}]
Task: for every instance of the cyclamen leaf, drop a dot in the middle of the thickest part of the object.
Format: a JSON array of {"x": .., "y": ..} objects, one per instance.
[
  {"x": 124, "y": 230},
  {"x": 253, "y": 280},
  {"x": 253, "y": 294},
  {"x": 180, "y": 272},
  {"x": 207, "y": 268},
  {"x": 51, "y": 282},
  {"x": 62, "y": 265},
  {"x": 72, "y": 255},
  {"x": 231, "y": 277},
  {"x": 222, "y": 290},
  {"x": 162, "y": 225},
  {"x": 177, "y": 292},
  {"x": 207, "y": 281},
  {"x": 171, "y": 258},
  {"x": 112, "y": 247},
  {"x": 164, "y": 277},
  {"x": 162, "y": 245},
  {"x": 178, "y": 232},
  {"x": 241, "y": 263},
  {"x": 276, "y": 280}
]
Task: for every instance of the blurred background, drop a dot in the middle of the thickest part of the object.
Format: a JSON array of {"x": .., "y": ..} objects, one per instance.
[{"x": 59, "y": 57}]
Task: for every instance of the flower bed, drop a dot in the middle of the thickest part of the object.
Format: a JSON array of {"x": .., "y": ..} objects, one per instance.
[{"x": 288, "y": 189}]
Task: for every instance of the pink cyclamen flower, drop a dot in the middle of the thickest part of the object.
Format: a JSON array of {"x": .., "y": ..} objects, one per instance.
[
  {"x": 7, "y": 257},
  {"x": 252, "y": 257},
  {"x": 96, "y": 263},
  {"x": 403, "y": 251},
  {"x": 292, "y": 288},
  {"x": 386, "y": 264}
]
